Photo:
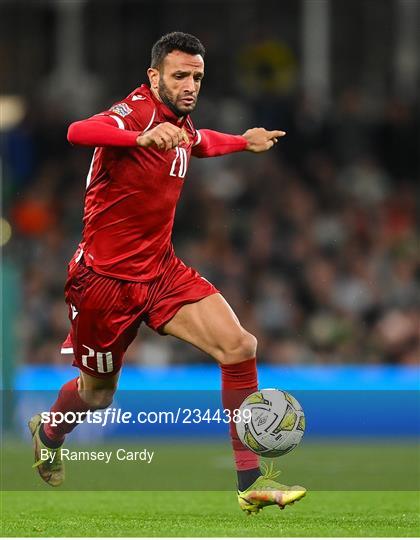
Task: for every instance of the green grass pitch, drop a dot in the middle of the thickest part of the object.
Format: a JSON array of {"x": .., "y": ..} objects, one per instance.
[
  {"x": 206, "y": 514},
  {"x": 92, "y": 501}
]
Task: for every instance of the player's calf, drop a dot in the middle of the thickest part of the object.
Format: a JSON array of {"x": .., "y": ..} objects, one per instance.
[
  {"x": 238, "y": 381},
  {"x": 76, "y": 396}
]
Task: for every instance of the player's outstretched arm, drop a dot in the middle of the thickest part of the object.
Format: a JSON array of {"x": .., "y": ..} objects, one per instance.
[
  {"x": 101, "y": 130},
  {"x": 212, "y": 143}
]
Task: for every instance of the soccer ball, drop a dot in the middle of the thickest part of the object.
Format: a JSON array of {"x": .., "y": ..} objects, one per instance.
[{"x": 271, "y": 422}]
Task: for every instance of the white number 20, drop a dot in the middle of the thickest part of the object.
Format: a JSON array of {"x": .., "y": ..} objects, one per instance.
[
  {"x": 181, "y": 155},
  {"x": 104, "y": 361}
]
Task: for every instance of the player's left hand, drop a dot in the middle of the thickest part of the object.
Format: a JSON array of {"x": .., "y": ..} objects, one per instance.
[{"x": 260, "y": 140}]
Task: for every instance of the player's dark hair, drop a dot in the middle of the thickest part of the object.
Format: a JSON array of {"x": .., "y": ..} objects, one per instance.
[{"x": 175, "y": 41}]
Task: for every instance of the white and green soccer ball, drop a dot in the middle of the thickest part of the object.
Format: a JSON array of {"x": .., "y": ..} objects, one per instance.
[{"x": 271, "y": 422}]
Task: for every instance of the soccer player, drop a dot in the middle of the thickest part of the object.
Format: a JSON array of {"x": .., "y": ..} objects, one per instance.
[{"x": 125, "y": 270}]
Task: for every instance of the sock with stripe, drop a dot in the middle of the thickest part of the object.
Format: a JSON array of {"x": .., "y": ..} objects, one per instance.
[
  {"x": 238, "y": 381},
  {"x": 68, "y": 400}
]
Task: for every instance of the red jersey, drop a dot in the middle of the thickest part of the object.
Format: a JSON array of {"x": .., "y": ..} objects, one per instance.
[{"x": 132, "y": 192}]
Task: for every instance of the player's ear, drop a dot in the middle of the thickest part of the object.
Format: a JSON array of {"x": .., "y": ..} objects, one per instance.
[{"x": 153, "y": 75}]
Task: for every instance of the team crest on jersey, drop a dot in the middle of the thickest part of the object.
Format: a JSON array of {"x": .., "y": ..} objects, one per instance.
[{"x": 122, "y": 109}]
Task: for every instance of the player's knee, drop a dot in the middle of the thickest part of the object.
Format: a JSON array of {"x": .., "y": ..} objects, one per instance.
[
  {"x": 98, "y": 398},
  {"x": 242, "y": 348},
  {"x": 97, "y": 393}
]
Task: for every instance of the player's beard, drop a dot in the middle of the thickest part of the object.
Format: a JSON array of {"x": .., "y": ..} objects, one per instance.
[{"x": 170, "y": 101}]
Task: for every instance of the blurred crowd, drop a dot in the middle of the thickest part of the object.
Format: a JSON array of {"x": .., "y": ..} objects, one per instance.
[{"x": 314, "y": 244}]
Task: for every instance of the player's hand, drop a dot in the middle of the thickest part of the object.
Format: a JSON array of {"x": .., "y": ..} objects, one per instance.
[
  {"x": 165, "y": 136},
  {"x": 260, "y": 140}
]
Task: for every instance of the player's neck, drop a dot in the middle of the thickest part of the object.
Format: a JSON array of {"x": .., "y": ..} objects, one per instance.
[{"x": 156, "y": 94}]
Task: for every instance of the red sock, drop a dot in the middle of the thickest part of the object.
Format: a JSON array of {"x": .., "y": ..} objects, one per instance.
[
  {"x": 68, "y": 400},
  {"x": 238, "y": 381}
]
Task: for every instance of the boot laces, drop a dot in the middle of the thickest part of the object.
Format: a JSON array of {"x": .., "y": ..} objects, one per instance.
[{"x": 268, "y": 471}]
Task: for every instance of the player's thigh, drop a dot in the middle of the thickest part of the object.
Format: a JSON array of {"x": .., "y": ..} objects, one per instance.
[
  {"x": 104, "y": 315},
  {"x": 211, "y": 325}
]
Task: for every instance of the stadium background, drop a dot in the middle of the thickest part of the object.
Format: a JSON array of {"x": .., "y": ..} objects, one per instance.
[{"x": 314, "y": 244}]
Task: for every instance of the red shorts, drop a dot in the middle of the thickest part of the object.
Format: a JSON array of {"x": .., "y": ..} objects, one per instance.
[{"x": 105, "y": 313}]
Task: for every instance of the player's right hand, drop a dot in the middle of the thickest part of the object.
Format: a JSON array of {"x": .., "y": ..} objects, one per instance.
[{"x": 165, "y": 136}]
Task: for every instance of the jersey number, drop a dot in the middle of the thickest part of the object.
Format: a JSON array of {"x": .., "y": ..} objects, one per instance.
[
  {"x": 104, "y": 363},
  {"x": 181, "y": 155}
]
